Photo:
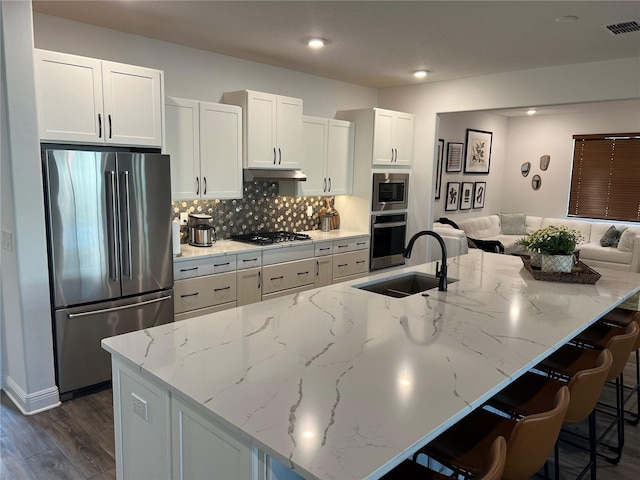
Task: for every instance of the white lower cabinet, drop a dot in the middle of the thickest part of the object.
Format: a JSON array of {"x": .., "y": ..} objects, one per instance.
[
  {"x": 201, "y": 449},
  {"x": 289, "y": 275},
  {"x": 202, "y": 292},
  {"x": 350, "y": 264},
  {"x": 324, "y": 264},
  {"x": 249, "y": 288}
]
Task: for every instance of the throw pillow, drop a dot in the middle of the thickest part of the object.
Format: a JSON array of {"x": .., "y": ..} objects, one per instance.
[
  {"x": 627, "y": 240},
  {"x": 513, "y": 223},
  {"x": 610, "y": 237}
]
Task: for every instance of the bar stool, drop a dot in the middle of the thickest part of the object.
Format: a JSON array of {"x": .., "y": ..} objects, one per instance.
[
  {"x": 570, "y": 359},
  {"x": 492, "y": 470},
  {"x": 464, "y": 446},
  {"x": 533, "y": 393},
  {"x": 621, "y": 317}
]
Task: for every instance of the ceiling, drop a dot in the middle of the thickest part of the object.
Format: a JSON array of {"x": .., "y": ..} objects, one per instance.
[{"x": 377, "y": 44}]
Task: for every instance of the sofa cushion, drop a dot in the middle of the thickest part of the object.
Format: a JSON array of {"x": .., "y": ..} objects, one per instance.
[
  {"x": 513, "y": 223},
  {"x": 481, "y": 227},
  {"x": 581, "y": 226},
  {"x": 611, "y": 237},
  {"x": 627, "y": 240},
  {"x": 593, "y": 251}
]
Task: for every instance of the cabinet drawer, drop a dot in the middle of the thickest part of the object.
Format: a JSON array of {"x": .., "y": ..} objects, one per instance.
[
  {"x": 324, "y": 248},
  {"x": 203, "y": 266},
  {"x": 249, "y": 260},
  {"x": 201, "y": 292},
  {"x": 350, "y": 245},
  {"x": 288, "y": 275},
  {"x": 203, "y": 311},
  {"x": 350, "y": 263},
  {"x": 284, "y": 293}
]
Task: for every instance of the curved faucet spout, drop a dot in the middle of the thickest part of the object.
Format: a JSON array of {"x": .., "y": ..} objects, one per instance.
[{"x": 441, "y": 272}]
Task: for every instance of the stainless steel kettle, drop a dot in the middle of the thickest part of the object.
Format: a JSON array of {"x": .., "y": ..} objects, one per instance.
[{"x": 202, "y": 233}]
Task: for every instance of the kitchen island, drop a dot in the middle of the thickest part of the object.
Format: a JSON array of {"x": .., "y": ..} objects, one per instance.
[{"x": 338, "y": 382}]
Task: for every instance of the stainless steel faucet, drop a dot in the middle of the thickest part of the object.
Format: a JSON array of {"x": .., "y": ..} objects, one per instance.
[{"x": 441, "y": 272}]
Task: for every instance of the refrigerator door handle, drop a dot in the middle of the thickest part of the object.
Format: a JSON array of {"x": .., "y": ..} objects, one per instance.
[
  {"x": 115, "y": 309},
  {"x": 127, "y": 223},
  {"x": 113, "y": 253}
]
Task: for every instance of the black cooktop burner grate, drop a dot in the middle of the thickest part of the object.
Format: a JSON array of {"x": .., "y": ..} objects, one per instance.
[{"x": 268, "y": 238}]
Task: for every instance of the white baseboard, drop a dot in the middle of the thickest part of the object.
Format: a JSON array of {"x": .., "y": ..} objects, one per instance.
[{"x": 32, "y": 403}]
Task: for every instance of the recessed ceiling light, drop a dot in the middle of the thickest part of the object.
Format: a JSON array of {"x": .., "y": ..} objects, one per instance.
[
  {"x": 567, "y": 19},
  {"x": 420, "y": 73},
  {"x": 532, "y": 111},
  {"x": 317, "y": 42}
]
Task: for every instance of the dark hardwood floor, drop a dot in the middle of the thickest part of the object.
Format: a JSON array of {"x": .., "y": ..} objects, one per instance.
[{"x": 75, "y": 441}]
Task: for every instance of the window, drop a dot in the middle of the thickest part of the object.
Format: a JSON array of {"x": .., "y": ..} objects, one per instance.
[{"x": 605, "y": 178}]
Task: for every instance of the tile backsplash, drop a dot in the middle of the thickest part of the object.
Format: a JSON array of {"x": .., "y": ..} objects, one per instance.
[{"x": 260, "y": 209}]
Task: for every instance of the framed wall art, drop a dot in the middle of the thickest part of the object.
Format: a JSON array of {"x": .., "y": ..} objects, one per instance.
[
  {"x": 466, "y": 196},
  {"x": 478, "y": 151},
  {"x": 454, "y": 156},
  {"x": 479, "y": 192},
  {"x": 439, "y": 159},
  {"x": 453, "y": 194}
]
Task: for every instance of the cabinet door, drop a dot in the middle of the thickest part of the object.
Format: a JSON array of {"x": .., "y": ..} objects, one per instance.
[
  {"x": 202, "y": 449},
  {"x": 383, "y": 153},
  {"x": 182, "y": 144},
  {"x": 261, "y": 130},
  {"x": 220, "y": 151},
  {"x": 314, "y": 156},
  {"x": 132, "y": 105},
  {"x": 340, "y": 157},
  {"x": 289, "y": 124},
  {"x": 324, "y": 271},
  {"x": 350, "y": 263},
  {"x": 69, "y": 98},
  {"x": 283, "y": 276},
  {"x": 249, "y": 286},
  {"x": 403, "y": 138}
]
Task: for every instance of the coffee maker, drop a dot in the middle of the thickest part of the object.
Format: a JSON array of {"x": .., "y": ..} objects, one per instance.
[{"x": 201, "y": 232}]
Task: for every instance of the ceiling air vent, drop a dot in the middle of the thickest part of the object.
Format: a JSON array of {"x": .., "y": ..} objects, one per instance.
[{"x": 623, "y": 27}]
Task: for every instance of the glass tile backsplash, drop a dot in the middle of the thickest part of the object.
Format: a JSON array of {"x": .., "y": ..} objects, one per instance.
[{"x": 260, "y": 208}]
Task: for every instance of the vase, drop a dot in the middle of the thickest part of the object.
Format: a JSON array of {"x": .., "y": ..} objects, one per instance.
[
  {"x": 557, "y": 263},
  {"x": 535, "y": 259}
]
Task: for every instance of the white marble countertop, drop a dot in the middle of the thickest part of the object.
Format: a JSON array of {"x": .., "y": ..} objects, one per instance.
[
  {"x": 227, "y": 247},
  {"x": 342, "y": 383}
]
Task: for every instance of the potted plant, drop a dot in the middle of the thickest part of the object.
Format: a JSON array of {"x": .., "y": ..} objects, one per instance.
[{"x": 555, "y": 244}]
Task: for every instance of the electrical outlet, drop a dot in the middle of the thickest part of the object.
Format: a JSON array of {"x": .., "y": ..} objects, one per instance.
[
  {"x": 309, "y": 211},
  {"x": 140, "y": 407},
  {"x": 7, "y": 241},
  {"x": 184, "y": 216}
]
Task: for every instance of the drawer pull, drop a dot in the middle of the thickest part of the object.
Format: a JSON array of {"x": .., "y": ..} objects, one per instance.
[
  {"x": 343, "y": 246},
  {"x": 324, "y": 248},
  {"x": 221, "y": 288},
  {"x": 221, "y": 264},
  {"x": 304, "y": 273},
  {"x": 250, "y": 260},
  {"x": 342, "y": 265},
  {"x": 277, "y": 278},
  {"x": 259, "y": 280},
  {"x": 360, "y": 261},
  {"x": 189, "y": 295},
  {"x": 188, "y": 269},
  {"x": 361, "y": 243}
]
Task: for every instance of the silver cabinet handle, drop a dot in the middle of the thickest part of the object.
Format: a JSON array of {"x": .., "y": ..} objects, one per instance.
[
  {"x": 113, "y": 247},
  {"x": 127, "y": 209},
  {"x": 122, "y": 307}
]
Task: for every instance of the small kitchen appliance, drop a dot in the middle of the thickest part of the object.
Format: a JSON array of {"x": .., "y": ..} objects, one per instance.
[{"x": 201, "y": 230}]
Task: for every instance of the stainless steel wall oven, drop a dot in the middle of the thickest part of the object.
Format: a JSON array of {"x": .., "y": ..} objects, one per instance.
[{"x": 388, "y": 233}]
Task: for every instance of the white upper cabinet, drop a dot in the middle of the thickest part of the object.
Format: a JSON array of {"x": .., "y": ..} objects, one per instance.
[
  {"x": 327, "y": 156},
  {"x": 85, "y": 100},
  {"x": 272, "y": 126},
  {"x": 392, "y": 138},
  {"x": 204, "y": 141}
]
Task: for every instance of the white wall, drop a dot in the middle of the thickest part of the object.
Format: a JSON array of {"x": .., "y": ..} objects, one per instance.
[
  {"x": 529, "y": 138},
  {"x": 545, "y": 86},
  {"x": 197, "y": 74}
]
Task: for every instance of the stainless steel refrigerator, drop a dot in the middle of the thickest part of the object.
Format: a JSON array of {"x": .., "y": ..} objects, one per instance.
[{"x": 110, "y": 254}]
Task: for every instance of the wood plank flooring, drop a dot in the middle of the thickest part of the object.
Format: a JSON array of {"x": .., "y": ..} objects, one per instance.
[{"x": 75, "y": 441}]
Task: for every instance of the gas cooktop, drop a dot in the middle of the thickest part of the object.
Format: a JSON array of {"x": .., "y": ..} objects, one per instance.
[{"x": 268, "y": 238}]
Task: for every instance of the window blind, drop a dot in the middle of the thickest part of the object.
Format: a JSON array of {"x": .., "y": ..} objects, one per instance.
[{"x": 605, "y": 177}]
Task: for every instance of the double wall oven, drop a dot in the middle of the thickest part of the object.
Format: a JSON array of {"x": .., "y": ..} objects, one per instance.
[{"x": 389, "y": 204}]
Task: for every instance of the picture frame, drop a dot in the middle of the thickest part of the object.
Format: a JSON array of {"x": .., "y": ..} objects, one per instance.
[
  {"x": 439, "y": 165},
  {"x": 454, "y": 156},
  {"x": 466, "y": 196},
  {"x": 478, "y": 151},
  {"x": 452, "y": 196},
  {"x": 479, "y": 194}
]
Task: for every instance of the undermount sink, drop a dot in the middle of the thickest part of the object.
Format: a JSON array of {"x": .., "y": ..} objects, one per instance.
[{"x": 403, "y": 285}]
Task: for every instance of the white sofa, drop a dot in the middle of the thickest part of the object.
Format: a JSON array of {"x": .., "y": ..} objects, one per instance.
[{"x": 591, "y": 252}]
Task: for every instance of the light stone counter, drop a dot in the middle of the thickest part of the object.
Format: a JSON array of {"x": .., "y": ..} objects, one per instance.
[{"x": 342, "y": 383}]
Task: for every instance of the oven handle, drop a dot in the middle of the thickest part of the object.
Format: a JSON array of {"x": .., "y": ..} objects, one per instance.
[{"x": 389, "y": 225}]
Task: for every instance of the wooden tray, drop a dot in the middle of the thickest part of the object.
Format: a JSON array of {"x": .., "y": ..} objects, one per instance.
[{"x": 581, "y": 273}]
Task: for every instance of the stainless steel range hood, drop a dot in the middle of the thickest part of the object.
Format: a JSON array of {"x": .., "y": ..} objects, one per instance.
[{"x": 274, "y": 175}]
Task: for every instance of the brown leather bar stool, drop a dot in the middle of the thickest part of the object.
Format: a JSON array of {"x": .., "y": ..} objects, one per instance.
[
  {"x": 492, "y": 470},
  {"x": 530, "y": 440},
  {"x": 570, "y": 359},
  {"x": 622, "y": 317},
  {"x": 533, "y": 393}
]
